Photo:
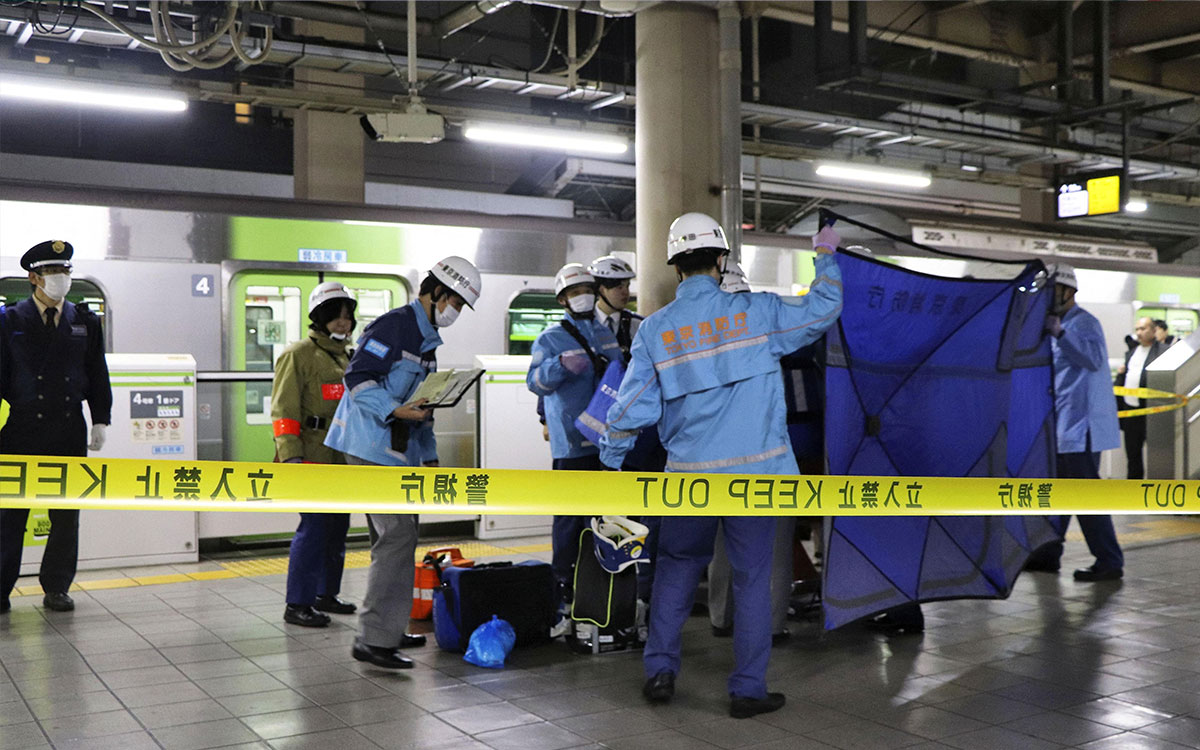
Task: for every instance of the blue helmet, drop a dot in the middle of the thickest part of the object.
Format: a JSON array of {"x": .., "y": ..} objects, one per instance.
[{"x": 619, "y": 542}]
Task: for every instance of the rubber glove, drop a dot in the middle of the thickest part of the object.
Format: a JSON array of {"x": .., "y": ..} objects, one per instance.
[
  {"x": 97, "y": 441},
  {"x": 576, "y": 364},
  {"x": 826, "y": 241},
  {"x": 1054, "y": 325}
]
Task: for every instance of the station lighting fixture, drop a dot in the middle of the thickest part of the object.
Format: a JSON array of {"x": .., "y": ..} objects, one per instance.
[
  {"x": 1136, "y": 206},
  {"x": 555, "y": 139},
  {"x": 873, "y": 175},
  {"x": 51, "y": 91}
]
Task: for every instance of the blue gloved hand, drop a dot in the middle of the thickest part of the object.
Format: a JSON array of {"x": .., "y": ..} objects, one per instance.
[{"x": 576, "y": 364}]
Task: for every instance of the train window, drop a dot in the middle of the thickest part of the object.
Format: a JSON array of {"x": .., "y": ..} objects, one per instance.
[
  {"x": 273, "y": 315},
  {"x": 529, "y": 314},
  {"x": 371, "y": 304},
  {"x": 13, "y": 289},
  {"x": 1181, "y": 321}
]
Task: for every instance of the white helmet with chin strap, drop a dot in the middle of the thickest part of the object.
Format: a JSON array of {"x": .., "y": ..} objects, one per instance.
[
  {"x": 695, "y": 231},
  {"x": 611, "y": 267},
  {"x": 327, "y": 291},
  {"x": 460, "y": 276},
  {"x": 572, "y": 274},
  {"x": 1062, "y": 273}
]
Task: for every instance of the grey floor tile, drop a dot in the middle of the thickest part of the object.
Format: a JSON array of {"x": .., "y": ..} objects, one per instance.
[
  {"x": 22, "y": 736},
  {"x": 342, "y": 691},
  {"x": 130, "y": 741},
  {"x": 290, "y": 723},
  {"x": 608, "y": 725},
  {"x": 220, "y": 687},
  {"x": 733, "y": 733},
  {"x": 539, "y": 736},
  {"x": 73, "y": 684},
  {"x": 989, "y": 707},
  {"x": 89, "y": 726},
  {"x": 14, "y": 712},
  {"x": 319, "y": 675},
  {"x": 562, "y": 705},
  {"x": 1117, "y": 713},
  {"x": 487, "y": 717},
  {"x": 1132, "y": 741},
  {"x": 126, "y": 660},
  {"x": 422, "y": 733},
  {"x": 75, "y": 705},
  {"x": 263, "y": 703},
  {"x": 204, "y": 735},
  {"x": 666, "y": 739},
  {"x": 374, "y": 710},
  {"x": 1062, "y": 728},
  {"x": 218, "y": 668},
  {"x": 174, "y": 714},
  {"x": 342, "y": 739},
  {"x": 1182, "y": 729},
  {"x": 997, "y": 738},
  {"x": 206, "y": 652},
  {"x": 153, "y": 695},
  {"x": 930, "y": 722},
  {"x": 864, "y": 735},
  {"x": 442, "y": 699},
  {"x": 141, "y": 677}
]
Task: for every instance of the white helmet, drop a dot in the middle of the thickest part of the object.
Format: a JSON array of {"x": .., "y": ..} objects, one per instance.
[
  {"x": 572, "y": 274},
  {"x": 611, "y": 267},
  {"x": 460, "y": 276},
  {"x": 734, "y": 279},
  {"x": 695, "y": 231},
  {"x": 1062, "y": 273},
  {"x": 327, "y": 291}
]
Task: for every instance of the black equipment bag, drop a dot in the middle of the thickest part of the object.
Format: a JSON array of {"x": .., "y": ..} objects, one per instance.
[{"x": 522, "y": 594}]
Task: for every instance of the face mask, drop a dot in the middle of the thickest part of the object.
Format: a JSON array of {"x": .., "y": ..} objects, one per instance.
[
  {"x": 443, "y": 318},
  {"x": 56, "y": 286},
  {"x": 338, "y": 336},
  {"x": 582, "y": 303}
]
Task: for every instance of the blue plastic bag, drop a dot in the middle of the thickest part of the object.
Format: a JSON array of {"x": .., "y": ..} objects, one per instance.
[{"x": 490, "y": 644}]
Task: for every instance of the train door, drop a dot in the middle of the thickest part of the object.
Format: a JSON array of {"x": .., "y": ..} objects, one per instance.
[{"x": 269, "y": 311}]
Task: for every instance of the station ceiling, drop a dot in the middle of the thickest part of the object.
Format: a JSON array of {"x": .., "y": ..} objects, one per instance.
[{"x": 989, "y": 96}]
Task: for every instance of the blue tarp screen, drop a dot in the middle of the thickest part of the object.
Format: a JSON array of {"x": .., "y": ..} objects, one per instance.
[{"x": 933, "y": 376}]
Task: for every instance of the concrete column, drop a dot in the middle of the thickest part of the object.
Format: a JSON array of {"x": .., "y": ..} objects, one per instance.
[
  {"x": 678, "y": 134},
  {"x": 327, "y": 150}
]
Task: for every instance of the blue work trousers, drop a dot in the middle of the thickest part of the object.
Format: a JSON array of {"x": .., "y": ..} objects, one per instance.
[
  {"x": 316, "y": 557},
  {"x": 685, "y": 546},
  {"x": 1098, "y": 531},
  {"x": 564, "y": 535}
]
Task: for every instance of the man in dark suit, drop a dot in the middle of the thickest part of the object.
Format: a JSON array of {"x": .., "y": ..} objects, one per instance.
[
  {"x": 51, "y": 361},
  {"x": 1133, "y": 375}
]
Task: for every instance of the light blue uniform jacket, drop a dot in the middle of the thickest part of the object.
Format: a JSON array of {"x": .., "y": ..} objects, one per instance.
[
  {"x": 706, "y": 369},
  {"x": 394, "y": 355},
  {"x": 567, "y": 395},
  {"x": 1083, "y": 395}
]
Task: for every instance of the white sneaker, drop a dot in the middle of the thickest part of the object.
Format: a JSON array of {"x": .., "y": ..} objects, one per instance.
[{"x": 562, "y": 627}]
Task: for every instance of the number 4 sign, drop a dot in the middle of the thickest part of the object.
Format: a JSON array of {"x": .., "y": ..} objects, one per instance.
[{"x": 202, "y": 285}]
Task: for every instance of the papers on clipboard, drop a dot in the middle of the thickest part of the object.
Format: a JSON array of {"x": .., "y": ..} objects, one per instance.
[{"x": 445, "y": 387}]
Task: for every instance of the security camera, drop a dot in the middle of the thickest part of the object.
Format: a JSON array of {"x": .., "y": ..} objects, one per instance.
[{"x": 412, "y": 126}]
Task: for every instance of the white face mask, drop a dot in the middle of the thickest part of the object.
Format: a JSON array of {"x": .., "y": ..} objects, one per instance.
[
  {"x": 445, "y": 317},
  {"x": 56, "y": 286},
  {"x": 583, "y": 303},
  {"x": 338, "y": 336}
]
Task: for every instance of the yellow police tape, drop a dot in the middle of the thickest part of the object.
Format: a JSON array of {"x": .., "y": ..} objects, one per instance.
[
  {"x": 131, "y": 484},
  {"x": 1180, "y": 401}
]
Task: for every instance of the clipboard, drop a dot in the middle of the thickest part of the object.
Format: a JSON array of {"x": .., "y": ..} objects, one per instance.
[{"x": 445, "y": 388}]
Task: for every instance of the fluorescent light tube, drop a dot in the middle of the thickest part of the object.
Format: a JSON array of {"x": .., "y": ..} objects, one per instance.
[
  {"x": 77, "y": 94},
  {"x": 873, "y": 175},
  {"x": 1136, "y": 206},
  {"x": 557, "y": 139}
]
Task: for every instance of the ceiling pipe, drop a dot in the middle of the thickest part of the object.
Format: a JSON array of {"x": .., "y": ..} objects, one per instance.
[
  {"x": 1100, "y": 50},
  {"x": 347, "y": 17},
  {"x": 465, "y": 15},
  {"x": 1066, "y": 51}
]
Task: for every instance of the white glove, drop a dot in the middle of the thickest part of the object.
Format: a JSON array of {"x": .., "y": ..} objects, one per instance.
[
  {"x": 97, "y": 437},
  {"x": 575, "y": 363},
  {"x": 826, "y": 241}
]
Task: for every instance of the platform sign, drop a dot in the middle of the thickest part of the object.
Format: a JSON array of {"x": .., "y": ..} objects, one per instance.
[{"x": 1084, "y": 195}]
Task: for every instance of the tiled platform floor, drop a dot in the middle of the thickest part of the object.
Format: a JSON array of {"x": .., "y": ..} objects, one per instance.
[{"x": 209, "y": 663}]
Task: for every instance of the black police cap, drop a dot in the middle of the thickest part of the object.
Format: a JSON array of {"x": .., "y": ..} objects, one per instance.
[{"x": 48, "y": 253}]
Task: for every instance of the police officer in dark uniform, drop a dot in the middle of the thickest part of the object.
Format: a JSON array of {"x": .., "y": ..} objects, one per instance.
[{"x": 51, "y": 360}]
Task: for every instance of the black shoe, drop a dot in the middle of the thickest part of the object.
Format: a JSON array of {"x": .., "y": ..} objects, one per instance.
[
  {"x": 660, "y": 688},
  {"x": 722, "y": 632},
  {"x": 304, "y": 616},
  {"x": 781, "y": 637},
  {"x": 893, "y": 625},
  {"x": 744, "y": 708},
  {"x": 388, "y": 658},
  {"x": 334, "y": 605},
  {"x": 409, "y": 640},
  {"x": 58, "y": 601},
  {"x": 1041, "y": 566},
  {"x": 1093, "y": 574},
  {"x": 4, "y": 606}
]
